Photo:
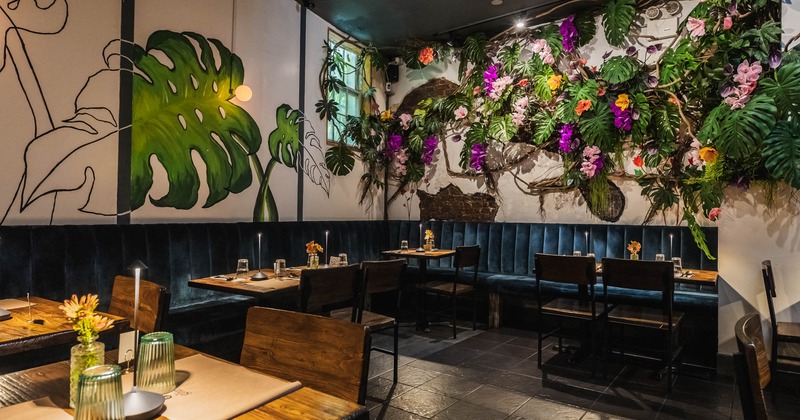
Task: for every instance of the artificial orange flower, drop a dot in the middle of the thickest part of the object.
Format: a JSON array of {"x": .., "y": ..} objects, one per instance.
[
  {"x": 675, "y": 101},
  {"x": 583, "y": 105},
  {"x": 75, "y": 307},
  {"x": 313, "y": 248},
  {"x": 601, "y": 91},
  {"x": 554, "y": 81},
  {"x": 623, "y": 101},
  {"x": 476, "y": 90},
  {"x": 634, "y": 247},
  {"x": 426, "y": 55},
  {"x": 638, "y": 161},
  {"x": 523, "y": 82},
  {"x": 708, "y": 154}
]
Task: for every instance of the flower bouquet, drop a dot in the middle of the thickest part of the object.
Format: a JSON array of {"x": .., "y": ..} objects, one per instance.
[
  {"x": 313, "y": 249},
  {"x": 634, "y": 248}
]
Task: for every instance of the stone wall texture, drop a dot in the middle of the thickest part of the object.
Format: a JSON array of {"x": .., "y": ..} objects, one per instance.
[{"x": 450, "y": 203}]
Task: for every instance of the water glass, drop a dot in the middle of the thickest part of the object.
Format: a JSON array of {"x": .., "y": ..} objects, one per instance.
[
  {"x": 100, "y": 394},
  {"x": 576, "y": 253},
  {"x": 660, "y": 257},
  {"x": 279, "y": 267},
  {"x": 403, "y": 246},
  {"x": 155, "y": 366},
  {"x": 242, "y": 267},
  {"x": 676, "y": 261},
  {"x": 342, "y": 259},
  {"x": 590, "y": 254},
  {"x": 335, "y": 261}
]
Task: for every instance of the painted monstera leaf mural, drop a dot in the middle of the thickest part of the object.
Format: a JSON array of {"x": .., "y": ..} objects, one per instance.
[{"x": 181, "y": 107}]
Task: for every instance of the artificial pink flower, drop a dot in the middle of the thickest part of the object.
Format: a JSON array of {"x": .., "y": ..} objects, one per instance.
[
  {"x": 727, "y": 23},
  {"x": 713, "y": 215},
  {"x": 460, "y": 112},
  {"x": 404, "y": 120},
  {"x": 696, "y": 27}
]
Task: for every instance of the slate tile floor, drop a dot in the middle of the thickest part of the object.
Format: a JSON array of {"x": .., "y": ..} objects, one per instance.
[{"x": 493, "y": 375}]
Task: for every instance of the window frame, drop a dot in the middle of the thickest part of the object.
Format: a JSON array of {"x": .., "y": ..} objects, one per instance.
[{"x": 361, "y": 81}]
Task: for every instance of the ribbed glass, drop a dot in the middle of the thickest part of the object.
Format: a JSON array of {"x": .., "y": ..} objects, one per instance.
[
  {"x": 100, "y": 394},
  {"x": 155, "y": 364}
]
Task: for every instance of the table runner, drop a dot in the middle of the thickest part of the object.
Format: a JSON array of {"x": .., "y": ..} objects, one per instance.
[
  {"x": 41, "y": 409},
  {"x": 216, "y": 389}
]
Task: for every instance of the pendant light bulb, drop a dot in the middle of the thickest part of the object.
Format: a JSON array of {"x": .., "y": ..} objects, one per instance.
[{"x": 243, "y": 93}]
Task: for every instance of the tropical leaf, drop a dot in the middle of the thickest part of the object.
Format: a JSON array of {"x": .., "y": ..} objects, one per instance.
[
  {"x": 639, "y": 129},
  {"x": 665, "y": 121},
  {"x": 617, "y": 20},
  {"x": 576, "y": 92},
  {"x": 544, "y": 124},
  {"x": 763, "y": 39},
  {"x": 501, "y": 128},
  {"x": 540, "y": 85},
  {"x": 743, "y": 129},
  {"x": 551, "y": 34},
  {"x": 415, "y": 171},
  {"x": 411, "y": 58},
  {"x": 509, "y": 55},
  {"x": 619, "y": 69},
  {"x": 782, "y": 152},
  {"x": 784, "y": 89},
  {"x": 339, "y": 159},
  {"x": 473, "y": 51},
  {"x": 597, "y": 126},
  {"x": 185, "y": 109},
  {"x": 711, "y": 126},
  {"x": 282, "y": 141},
  {"x": 587, "y": 28}
]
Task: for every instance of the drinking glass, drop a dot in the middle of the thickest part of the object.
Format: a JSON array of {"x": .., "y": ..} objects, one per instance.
[
  {"x": 242, "y": 267},
  {"x": 280, "y": 266},
  {"x": 100, "y": 393},
  {"x": 335, "y": 261},
  {"x": 343, "y": 259},
  {"x": 590, "y": 254},
  {"x": 676, "y": 261},
  {"x": 403, "y": 246},
  {"x": 660, "y": 257},
  {"x": 576, "y": 253},
  {"x": 155, "y": 366}
]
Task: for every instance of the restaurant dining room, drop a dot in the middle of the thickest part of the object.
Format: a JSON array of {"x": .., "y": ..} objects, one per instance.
[{"x": 449, "y": 209}]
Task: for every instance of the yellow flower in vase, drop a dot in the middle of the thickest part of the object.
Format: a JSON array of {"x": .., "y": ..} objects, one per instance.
[
  {"x": 428, "y": 240},
  {"x": 312, "y": 249},
  {"x": 634, "y": 248}
]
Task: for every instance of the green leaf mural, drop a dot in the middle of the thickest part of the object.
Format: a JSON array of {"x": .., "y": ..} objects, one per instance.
[{"x": 182, "y": 106}]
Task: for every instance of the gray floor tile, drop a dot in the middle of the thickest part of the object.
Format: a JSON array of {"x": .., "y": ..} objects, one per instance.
[
  {"x": 412, "y": 376},
  {"x": 423, "y": 403},
  {"x": 497, "y": 398},
  {"x": 451, "y": 386},
  {"x": 539, "y": 409},
  {"x": 380, "y": 390},
  {"x": 391, "y": 413},
  {"x": 464, "y": 410}
]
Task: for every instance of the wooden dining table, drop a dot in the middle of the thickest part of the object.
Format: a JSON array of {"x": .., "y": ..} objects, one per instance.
[
  {"x": 272, "y": 286},
  {"x": 45, "y": 325},
  {"x": 53, "y": 381}
]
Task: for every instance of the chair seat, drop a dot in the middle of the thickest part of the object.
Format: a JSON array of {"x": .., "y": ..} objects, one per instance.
[
  {"x": 643, "y": 317},
  {"x": 570, "y": 307},
  {"x": 374, "y": 320},
  {"x": 789, "y": 331},
  {"x": 446, "y": 287}
]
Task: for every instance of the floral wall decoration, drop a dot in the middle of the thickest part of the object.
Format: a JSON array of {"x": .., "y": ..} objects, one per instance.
[{"x": 715, "y": 104}]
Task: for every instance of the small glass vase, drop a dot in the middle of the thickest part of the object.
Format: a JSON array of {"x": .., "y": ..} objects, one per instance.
[
  {"x": 89, "y": 352},
  {"x": 313, "y": 260},
  {"x": 635, "y": 256},
  {"x": 428, "y": 245}
]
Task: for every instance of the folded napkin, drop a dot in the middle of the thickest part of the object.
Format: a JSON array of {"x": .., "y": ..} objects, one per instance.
[
  {"x": 9, "y": 304},
  {"x": 41, "y": 409},
  {"x": 218, "y": 390}
]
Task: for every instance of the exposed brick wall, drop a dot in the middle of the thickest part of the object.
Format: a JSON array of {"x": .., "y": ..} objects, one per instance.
[
  {"x": 433, "y": 89},
  {"x": 450, "y": 203}
]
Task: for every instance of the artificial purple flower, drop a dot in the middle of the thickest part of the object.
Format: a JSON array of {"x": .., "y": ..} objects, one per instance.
[
  {"x": 565, "y": 144},
  {"x": 569, "y": 33},
  {"x": 728, "y": 69},
  {"x": 477, "y": 158},
  {"x": 592, "y": 161},
  {"x": 623, "y": 118},
  {"x": 393, "y": 145},
  {"x": 651, "y": 82},
  {"x": 429, "y": 148},
  {"x": 743, "y": 182},
  {"x": 632, "y": 51},
  {"x": 489, "y": 76},
  {"x": 574, "y": 77},
  {"x": 606, "y": 55},
  {"x": 732, "y": 8},
  {"x": 727, "y": 90},
  {"x": 775, "y": 59},
  {"x": 456, "y": 138},
  {"x": 652, "y": 49}
]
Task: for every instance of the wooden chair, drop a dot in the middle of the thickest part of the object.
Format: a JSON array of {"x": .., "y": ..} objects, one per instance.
[
  {"x": 751, "y": 366},
  {"x": 782, "y": 332},
  {"x": 378, "y": 277},
  {"x": 466, "y": 256},
  {"x": 324, "y": 289},
  {"x": 153, "y": 302},
  {"x": 322, "y": 353},
  {"x": 576, "y": 270},
  {"x": 657, "y": 276}
]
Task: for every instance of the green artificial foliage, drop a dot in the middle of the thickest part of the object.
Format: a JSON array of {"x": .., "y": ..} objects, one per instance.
[
  {"x": 782, "y": 152},
  {"x": 742, "y": 130},
  {"x": 619, "y": 69},
  {"x": 617, "y": 20}
]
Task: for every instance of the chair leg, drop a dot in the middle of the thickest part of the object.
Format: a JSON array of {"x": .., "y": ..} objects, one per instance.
[
  {"x": 622, "y": 340},
  {"x": 455, "y": 317},
  {"x": 474, "y": 309},
  {"x": 669, "y": 362},
  {"x": 539, "y": 346},
  {"x": 592, "y": 348},
  {"x": 607, "y": 345},
  {"x": 396, "y": 335}
]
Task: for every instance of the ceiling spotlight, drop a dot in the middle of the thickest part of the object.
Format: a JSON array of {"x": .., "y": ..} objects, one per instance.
[
  {"x": 520, "y": 24},
  {"x": 496, "y": 2}
]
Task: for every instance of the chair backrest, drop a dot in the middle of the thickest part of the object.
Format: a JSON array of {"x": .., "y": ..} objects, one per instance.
[
  {"x": 769, "y": 287},
  {"x": 323, "y": 353},
  {"x": 322, "y": 289},
  {"x": 752, "y": 366},
  {"x": 565, "y": 269},
  {"x": 382, "y": 276},
  {"x": 467, "y": 256},
  {"x": 153, "y": 302}
]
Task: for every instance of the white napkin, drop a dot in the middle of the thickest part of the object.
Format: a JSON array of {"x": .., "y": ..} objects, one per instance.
[
  {"x": 9, "y": 304},
  {"x": 41, "y": 409}
]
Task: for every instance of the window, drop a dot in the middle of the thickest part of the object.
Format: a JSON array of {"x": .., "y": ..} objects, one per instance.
[{"x": 349, "y": 96}]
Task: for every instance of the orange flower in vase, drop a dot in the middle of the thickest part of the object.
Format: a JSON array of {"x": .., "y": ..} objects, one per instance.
[
  {"x": 425, "y": 55},
  {"x": 312, "y": 249},
  {"x": 634, "y": 248},
  {"x": 428, "y": 240}
]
